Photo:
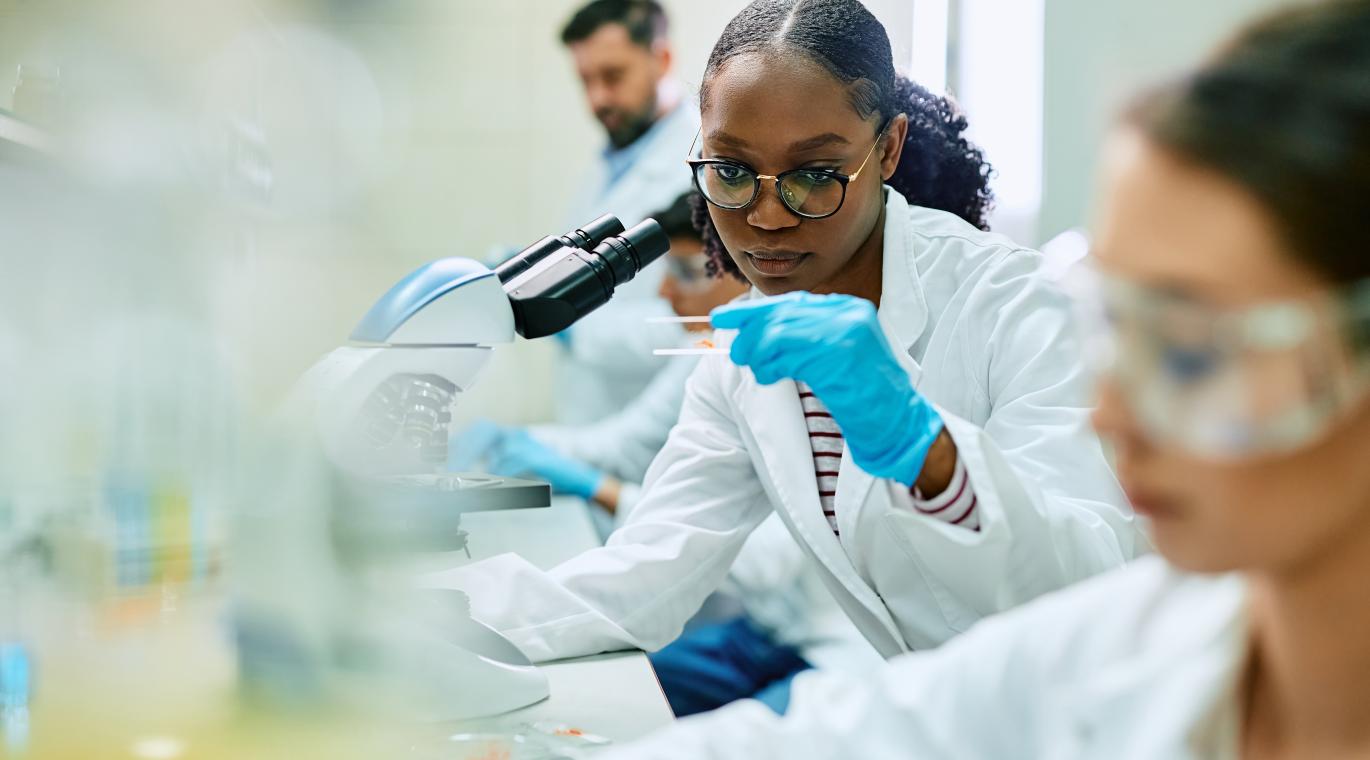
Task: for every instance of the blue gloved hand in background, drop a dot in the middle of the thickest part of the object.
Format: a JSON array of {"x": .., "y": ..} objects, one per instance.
[
  {"x": 467, "y": 450},
  {"x": 519, "y": 453},
  {"x": 835, "y": 345},
  {"x": 515, "y": 452}
]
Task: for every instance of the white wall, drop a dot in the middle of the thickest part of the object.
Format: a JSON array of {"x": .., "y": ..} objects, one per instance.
[
  {"x": 9, "y": 27},
  {"x": 1099, "y": 52},
  {"x": 998, "y": 82}
]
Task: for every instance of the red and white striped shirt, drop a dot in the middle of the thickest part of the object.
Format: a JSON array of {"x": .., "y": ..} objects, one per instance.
[{"x": 956, "y": 505}]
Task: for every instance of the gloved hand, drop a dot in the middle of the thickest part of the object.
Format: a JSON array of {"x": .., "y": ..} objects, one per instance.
[
  {"x": 835, "y": 345},
  {"x": 515, "y": 452},
  {"x": 519, "y": 453},
  {"x": 474, "y": 444}
]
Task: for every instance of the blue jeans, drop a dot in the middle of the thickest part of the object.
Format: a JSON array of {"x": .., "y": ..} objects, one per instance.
[{"x": 712, "y": 665}]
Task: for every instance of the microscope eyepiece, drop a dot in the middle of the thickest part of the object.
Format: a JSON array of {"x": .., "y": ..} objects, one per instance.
[
  {"x": 628, "y": 253},
  {"x": 569, "y": 281},
  {"x": 586, "y": 238},
  {"x": 595, "y": 232}
]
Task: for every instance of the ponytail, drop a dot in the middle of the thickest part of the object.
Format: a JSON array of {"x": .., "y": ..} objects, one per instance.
[{"x": 939, "y": 167}]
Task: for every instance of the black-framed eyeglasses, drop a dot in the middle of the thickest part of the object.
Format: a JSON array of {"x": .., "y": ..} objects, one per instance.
[{"x": 809, "y": 193}]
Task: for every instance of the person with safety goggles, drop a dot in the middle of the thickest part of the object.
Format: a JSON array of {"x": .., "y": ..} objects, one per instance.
[{"x": 1234, "y": 310}]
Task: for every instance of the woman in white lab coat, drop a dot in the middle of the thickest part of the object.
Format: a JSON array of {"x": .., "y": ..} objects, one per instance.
[
  {"x": 790, "y": 622},
  {"x": 1237, "y": 284},
  {"x": 969, "y": 480}
]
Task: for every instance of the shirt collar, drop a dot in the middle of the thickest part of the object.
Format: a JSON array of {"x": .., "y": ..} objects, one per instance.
[{"x": 903, "y": 305}]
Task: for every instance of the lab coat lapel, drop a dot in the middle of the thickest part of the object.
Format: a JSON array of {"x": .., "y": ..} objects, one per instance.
[
  {"x": 853, "y": 486},
  {"x": 903, "y": 305},
  {"x": 775, "y": 418},
  {"x": 903, "y": 316},
  {"x": 853, "y": 483}
]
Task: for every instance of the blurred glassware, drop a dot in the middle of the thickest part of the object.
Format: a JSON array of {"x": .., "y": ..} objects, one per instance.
[
  {"x": 16, "y": 676},
  {"x": 37, "y": 92}
]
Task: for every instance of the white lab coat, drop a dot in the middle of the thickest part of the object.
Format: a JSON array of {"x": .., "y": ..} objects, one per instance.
[
  {"x": 771, "y": 578},
  {"x": 1140, "y": 664},
  {"x": 982, "y": 337},
  {"x": 624, "y": 444},
  {"x": 609, "y": 357},
  {"x": 782, "y": 594}
]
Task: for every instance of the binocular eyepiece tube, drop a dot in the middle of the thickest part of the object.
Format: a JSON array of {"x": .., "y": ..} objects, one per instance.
[
  {"x": 585, "y": 238},
  {"x": 556, "y": 281}
]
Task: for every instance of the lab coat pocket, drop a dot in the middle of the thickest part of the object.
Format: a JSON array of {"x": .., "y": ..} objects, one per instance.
[{"x": 963, "y": 569}]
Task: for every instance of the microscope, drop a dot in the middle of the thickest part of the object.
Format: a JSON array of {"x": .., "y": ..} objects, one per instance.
[
  {"x": 389, "y": 392},
  {"x": 378, "y": 412}
]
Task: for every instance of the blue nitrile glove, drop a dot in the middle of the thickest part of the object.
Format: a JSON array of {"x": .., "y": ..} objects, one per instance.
[
  {"x": 474, "y": 445},
  {"x": 519, "y": 453},
  {"x": 16, "y": 676},
  {"x": 835, "y": 344}
]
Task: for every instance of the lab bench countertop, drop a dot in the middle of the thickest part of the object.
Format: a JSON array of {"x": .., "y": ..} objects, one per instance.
[{"x": 613, "y": 695}]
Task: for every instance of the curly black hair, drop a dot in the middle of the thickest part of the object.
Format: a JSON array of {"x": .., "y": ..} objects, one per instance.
[{"x": 939, "y": 167}]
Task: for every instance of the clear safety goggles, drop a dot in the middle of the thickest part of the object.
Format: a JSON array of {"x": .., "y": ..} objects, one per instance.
[
  {"x": 1229, "y": 383},
  {"x": 690, "y": 272}
]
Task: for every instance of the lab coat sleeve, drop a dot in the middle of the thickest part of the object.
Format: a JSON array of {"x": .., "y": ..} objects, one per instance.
[
  {"x": 700, "y": 502},
  {"x": 629, "y": 494},
  {"x": 918, "y": 706},
  {"x": 1030, "y": 683},
  {"x": 770, "y": 561},
  {"x": 765, "y": 575},
  {"x": 983, "y": 695},
  {"x": 1051, "y": 511},
  {"x": 625, "y": 444}
]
